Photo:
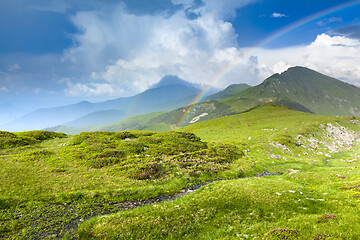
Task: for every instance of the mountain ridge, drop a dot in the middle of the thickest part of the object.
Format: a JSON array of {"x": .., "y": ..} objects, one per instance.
[
  {"x": 317, "y": 92},
  {"x": 164, "y": 97}
]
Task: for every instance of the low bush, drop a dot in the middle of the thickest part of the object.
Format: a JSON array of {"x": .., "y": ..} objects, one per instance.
[
  {"x": 283, "y": 233},
  {"x": 42, "y": 135},
  {"x": 326, "y": 218},
  {"x": 8, "y": 140}
]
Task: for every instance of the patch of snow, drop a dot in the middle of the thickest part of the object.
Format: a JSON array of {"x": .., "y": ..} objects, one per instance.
[{"x": 197, "y": 118}]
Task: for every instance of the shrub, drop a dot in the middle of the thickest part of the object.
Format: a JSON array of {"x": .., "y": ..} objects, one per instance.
[
  {"x": 284, "y": 140},
  {"x": 355, "y": 187},
  {"x": 144, "y": 171},
  {"x": 325, "y": 236},
  {"x": 105, "y": 158},
  {"x": 35, "y": 155},
  {"x": 132, "y": 134},
  {"x": 42, "y": 135},
  {"x": 326, "y": 218},
  {"x": 8, "y": 140},
  {"x": 132, "y": 147},
  {"x": 283, "y": 233},
  {"x": 172, "y": 143},
  {"x": 221, "y": 152}
]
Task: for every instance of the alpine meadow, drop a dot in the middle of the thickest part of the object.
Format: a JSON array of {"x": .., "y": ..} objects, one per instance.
[{"x": 180, "y": 119}]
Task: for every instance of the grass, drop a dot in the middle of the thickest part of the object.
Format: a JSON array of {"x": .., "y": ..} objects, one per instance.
[
  {"x": 50, "y": 183},
  {"x": 95, "y": 170},
  {"x": 231, "y": 209}
]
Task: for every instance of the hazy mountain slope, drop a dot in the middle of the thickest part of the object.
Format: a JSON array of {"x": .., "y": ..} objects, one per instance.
[
  {"x": 9, "y": 112},
  {"x": 317, "y": 92},
  {"x": 160, "y": 121},
  {"x": 167, "y": 121},
  {"x": 164, "y": 96},
  {"x": 229, "y": 91},
  {"x": 153, "y": 100},
  {"x": 96, "y": 118},
  {"x": 50, "y": 116},
  {"x": 299, "y": 88}
]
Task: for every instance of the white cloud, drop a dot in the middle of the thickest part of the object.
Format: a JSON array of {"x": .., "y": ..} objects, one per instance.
[
  {"x": 278, "y": 15},
  {"x": 137, "y": 51},
  {"x": 14, "y": 67},
  {"x": 127, "y": 53},
  {"x": 186, "y": 3},
  {"x": 336, "y": 56},
  {"x": 326, "y": 21},
  {"x": 4, "y": 89},
  {"x": 91, "y": 89}
]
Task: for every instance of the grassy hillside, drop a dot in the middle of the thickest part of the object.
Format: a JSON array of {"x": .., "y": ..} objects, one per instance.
[
  {"x": 161, "y": 121},
  {"x": 50, "y": 185},
  {"x": 321, "y": 198},
  {"x": 317, "y": 92},
  {"x": 299, "y": 88},
  {"x": 55, "y": 182},
  {"x": 229, "y": 91}
]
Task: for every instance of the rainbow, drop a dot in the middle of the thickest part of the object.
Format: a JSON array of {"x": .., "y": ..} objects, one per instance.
[{"x": 264, "y": 42}]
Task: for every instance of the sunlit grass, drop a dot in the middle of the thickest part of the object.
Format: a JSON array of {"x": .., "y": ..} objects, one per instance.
[{"x": 48, "y": 186}]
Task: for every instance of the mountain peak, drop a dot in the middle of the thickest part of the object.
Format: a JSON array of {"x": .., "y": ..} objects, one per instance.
[
  {"x": 315, "y": 91},
  {"x": 172, "y": 80}
]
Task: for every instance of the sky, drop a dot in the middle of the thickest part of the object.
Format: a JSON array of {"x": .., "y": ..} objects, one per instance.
[{"x": 57, "y": 52}]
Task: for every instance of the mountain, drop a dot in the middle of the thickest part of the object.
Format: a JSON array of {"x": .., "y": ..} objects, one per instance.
[
  {"x": 97, "y": 118},
  {"x": 316, "y": 92},
  {"x": 299, "y": 88},
  {"x": 9, "y": 112},
  {"x": 162, "y": 98},
  {"x": 229, "y": 91},
  {"x": 170, "y": 93},
  {"x": 48, "y": 116},
  {"x": 172, "y": 80}
]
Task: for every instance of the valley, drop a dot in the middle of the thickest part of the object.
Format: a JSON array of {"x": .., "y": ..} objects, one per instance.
[
  {"x": 299, "y": 88},
  {"x": 104, "y": 173}
]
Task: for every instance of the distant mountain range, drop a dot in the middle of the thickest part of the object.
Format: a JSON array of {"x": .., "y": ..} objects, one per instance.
[
  {"x": 170, "y": 93},
  {"x": 9, "y": 111},
  {"x": 299, "y": 88}
]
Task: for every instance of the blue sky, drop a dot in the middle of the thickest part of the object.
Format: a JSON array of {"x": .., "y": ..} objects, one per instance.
[{"x": 58, "y": 52}]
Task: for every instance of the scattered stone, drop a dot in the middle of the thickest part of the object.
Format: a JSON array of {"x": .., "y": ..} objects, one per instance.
[
  {"x": 275, "y": 156},
  {"x": 291, "y": 171},
  {"x": 266, "y": 173}
]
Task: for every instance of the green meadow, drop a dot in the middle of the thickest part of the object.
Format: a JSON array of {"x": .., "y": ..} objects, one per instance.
[{"x": 57, "y": 186}]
